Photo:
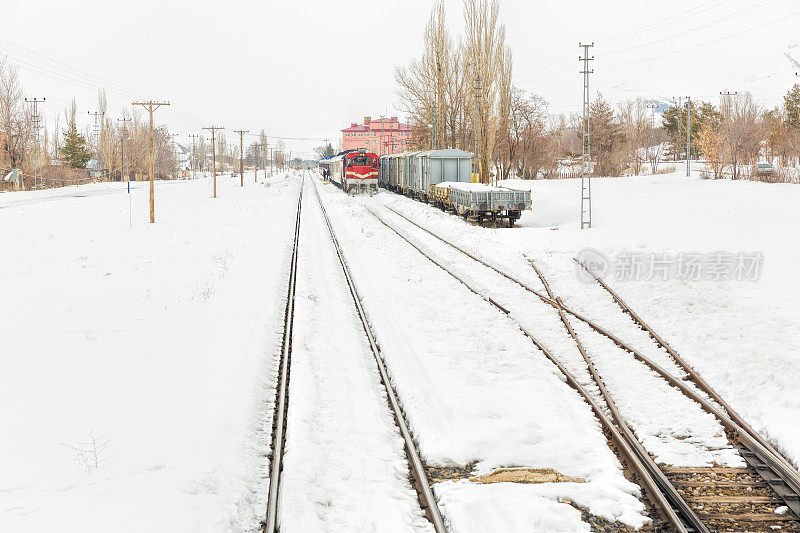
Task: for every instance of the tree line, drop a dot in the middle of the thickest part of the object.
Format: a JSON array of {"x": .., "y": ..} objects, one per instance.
[
  {"x": 64, "y": 148},
  {"x": 459, "y": 94}
]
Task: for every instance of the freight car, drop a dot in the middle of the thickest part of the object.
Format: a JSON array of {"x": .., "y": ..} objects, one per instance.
[
  {"x": 482, "y": 202},
  {"x": 444, "y": 178},
  {"x": 352, "y": 170},
  {"x": 412, "y": 173}
]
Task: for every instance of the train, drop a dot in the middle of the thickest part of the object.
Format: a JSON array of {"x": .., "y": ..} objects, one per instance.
[
  {"x": 444, "y": 178},
  {"x": 353, "y": 171}
]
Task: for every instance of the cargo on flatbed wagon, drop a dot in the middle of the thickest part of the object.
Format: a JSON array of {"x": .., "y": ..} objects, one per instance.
[{"x": 481, "y": 201}]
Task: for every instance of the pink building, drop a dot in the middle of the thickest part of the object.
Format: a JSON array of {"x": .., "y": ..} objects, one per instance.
[{"x": 382, "y": 136}]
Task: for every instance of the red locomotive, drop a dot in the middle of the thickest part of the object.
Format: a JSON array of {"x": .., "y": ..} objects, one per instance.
[{"x": 354, "y": 171}]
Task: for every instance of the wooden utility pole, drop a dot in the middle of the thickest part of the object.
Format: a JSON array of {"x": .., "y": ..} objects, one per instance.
[
  {"x": 213, "y": 130},
  {"x": 151, "y": 106},
  {"x": 241, "y": 154}
]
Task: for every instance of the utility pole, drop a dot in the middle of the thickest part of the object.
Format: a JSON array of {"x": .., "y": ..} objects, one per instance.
[
  {"x": 151, "y": 106},
  {"x": 193, "y": 160},
  {"x": 175, "y": 154},
  {"x": 586, "y": 156},
  {"x": 688, "y": 136},
  {"x": 38, "y": 180},
  {"x": 270, "y": 161},
  {"x": 241, "y": 154},
  {"x": 213, "y": 130},
  {"x": 652, "y": 108},
  {"x": 680, "y": 126},
  {"x": 258, "y": 150},
  {"x": 122, "y": 163},
  {"x": 383, "y": 125},
  {"x": 96, "y": 131},
  {"x": 478, "y": 127},
  {"x": 725, "y": 102}
]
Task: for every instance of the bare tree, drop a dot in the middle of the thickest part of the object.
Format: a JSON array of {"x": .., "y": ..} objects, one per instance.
[
  {"x": 635, "y": 128},
  {"x": 484, "y": 48},
  {"x": 15, "y": 119},
  {"x": 743, "y": 131}
]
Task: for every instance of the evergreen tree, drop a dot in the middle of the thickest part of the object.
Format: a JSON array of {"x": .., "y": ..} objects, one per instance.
[
  {"x": 791, "y": 103},
  {"x": 607, "y": 138},
  {"x": 673, "y": 120},
  {"x": 74, "y": 151}
]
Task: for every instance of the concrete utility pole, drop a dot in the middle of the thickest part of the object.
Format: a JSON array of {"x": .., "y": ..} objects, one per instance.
[
  {"x": 241, "y": 154},
  {"x": 193, "y": 159},
  {"x": 213, "y": 130},
  {"x": 38, "y": 180},
  {"x": 688, "y": 136},
  {"x": 478, "y": 127},
  {"x": 586, "y": 157},
  {"x": 151, "y": 106},
  {"x": 680, "y": 126}
]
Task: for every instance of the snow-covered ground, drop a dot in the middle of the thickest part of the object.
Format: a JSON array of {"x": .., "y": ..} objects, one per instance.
[
  {"x": 155, "y": 343},
  {"x": 476, "y": 390},
  {"x": 740, "y": 334},
  {"x": 159, "y": 343}
]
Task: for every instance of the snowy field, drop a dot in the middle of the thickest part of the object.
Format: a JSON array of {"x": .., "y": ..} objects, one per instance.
[
  {"x": 154, "y": 344},
  {"x": 138, "y": 362}
]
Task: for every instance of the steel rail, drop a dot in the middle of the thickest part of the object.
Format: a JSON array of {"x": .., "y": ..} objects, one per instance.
[
  {"x": 281, "y": 403},
  {"x": 695, "y": 377},
  {"x": 623, "y": 437},
  {"x": 746, "y": 435},
  {"x": 664, "y": 484},
  {"x": 428, "y": 500}
]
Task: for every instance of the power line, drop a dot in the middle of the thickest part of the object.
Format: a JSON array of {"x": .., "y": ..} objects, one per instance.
[{"x": 703, "y": 44}]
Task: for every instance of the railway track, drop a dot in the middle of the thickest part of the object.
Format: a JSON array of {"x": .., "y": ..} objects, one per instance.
[
  {"x": 417, "y": 471},
  {"x": 282, "y": 390},
  {"x": 687, "y": 499}
]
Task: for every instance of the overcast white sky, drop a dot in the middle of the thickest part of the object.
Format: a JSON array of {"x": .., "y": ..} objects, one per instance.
[{"x": 281, "y": 66}]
